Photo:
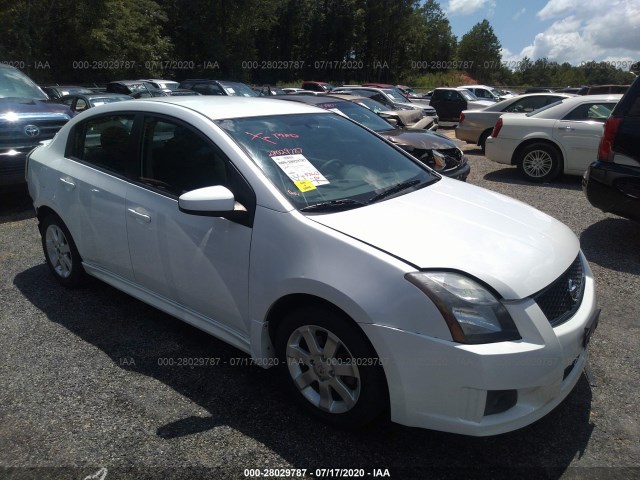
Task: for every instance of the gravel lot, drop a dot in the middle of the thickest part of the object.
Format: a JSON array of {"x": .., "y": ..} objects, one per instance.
[{"x": 82, "y": 393}]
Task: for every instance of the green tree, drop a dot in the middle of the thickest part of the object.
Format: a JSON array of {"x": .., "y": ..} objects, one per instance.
[
  {"x": 480, "y": 47},
  {"x": 436, "y": 41}
]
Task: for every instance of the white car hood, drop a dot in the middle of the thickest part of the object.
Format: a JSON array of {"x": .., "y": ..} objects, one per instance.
[{"x": 509, "y": 245}]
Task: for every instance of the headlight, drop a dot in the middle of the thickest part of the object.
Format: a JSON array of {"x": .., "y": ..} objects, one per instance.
[{"x": 473, "y": 313}]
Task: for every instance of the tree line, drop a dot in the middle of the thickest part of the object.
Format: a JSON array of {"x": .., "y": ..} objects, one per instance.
[{"x": 266, "y": 42}]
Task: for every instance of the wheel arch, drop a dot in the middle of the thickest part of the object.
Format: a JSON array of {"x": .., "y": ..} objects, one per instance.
[
  {"x": 485, "y": 133},
  {"x": 294, "y": 301},
  {"x": 43, "y": 212},
  {"x": 515, "y": 158}
]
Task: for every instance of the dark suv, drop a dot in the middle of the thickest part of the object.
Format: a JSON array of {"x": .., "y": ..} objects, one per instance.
[
  {"x": 26, "y": 119},
  {"x": 612, "y": 183}
]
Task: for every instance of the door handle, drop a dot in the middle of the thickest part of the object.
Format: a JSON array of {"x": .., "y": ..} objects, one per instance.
[
  {"x": 138, "y": 215},
  {"x": 565, "y": 128},
  {"x": 68, "y": 183}
]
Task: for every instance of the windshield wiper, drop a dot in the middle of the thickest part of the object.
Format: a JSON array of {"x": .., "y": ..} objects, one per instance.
[
  {"x": 333, "y": 205},
  {"x": 393, "y": 190}
]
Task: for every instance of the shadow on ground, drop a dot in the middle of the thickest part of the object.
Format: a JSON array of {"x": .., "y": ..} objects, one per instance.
[
  {"x": 249, "y": 399},
  {"x": 619, "y": 234}
]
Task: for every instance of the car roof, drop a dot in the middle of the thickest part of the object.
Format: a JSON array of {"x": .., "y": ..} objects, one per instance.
[
  {"x": 593, "y": 98},
  {"x": 224, "y": 107}
]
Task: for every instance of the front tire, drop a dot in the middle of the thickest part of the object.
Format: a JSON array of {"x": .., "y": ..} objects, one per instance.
[
  {"x": 330, "y": 367},
  {"x": 61, "y": 253},
  {"x": 540, "y": 162}
]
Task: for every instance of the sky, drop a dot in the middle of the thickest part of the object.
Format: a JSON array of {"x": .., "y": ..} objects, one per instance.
[{"x": 574, "y": 31}]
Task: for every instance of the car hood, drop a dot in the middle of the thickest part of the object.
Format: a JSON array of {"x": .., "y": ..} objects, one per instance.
[
  {"x": 406, "y": 116},
  {"x": 507, "y": 244},
  {"x": 421, "y": 139},
  {"x": 31, "y": 108}
]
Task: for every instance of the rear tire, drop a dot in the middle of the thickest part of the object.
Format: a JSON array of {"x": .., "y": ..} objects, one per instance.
[
  {"x": 540, "y": 162},
  {"x": 61, "y": 253},
  {"x": 330, "y": 368}
]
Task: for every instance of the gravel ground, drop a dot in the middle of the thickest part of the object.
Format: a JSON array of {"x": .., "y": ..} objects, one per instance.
[{"x": 83, "y": 396}]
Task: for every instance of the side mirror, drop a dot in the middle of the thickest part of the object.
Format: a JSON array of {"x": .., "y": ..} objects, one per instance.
[{"x": 216, "y": 201}]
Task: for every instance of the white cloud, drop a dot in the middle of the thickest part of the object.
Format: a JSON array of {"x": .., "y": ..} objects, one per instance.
[
  {"x": 585, "y": 30},
  {"x": 519, "y": 13},
  {"x": 467, "y": 7}
]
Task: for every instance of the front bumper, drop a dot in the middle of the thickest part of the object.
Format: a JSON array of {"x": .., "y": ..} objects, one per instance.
[
  {"x": 460, "y": 173},
  {"x": 12, "y": 164},
  {"x": 442, "y": 385}
]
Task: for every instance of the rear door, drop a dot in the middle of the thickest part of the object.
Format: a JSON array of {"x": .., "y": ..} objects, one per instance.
[
  {"x": 580, "y": 131},
  {"x": 92, "y": 188}
]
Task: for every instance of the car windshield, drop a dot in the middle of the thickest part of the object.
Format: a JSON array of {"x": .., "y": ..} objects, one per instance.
[
  {"x": 360, "y": 114},
  {"x": 324, "y": 162},
  {"x": 15, "y": 84},
  {"x": 102, "y": 100},
  {"x": 373, "y": 105},
  {"x": 137, "y": 87},
  {"x": 169, "y": 85},
  {"x": 468, "y": 95},
  {"x": 396, "y": 95},
  {"x": 238, "y": 89}
]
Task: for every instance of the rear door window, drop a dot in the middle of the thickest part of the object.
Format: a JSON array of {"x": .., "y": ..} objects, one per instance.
[{"x": 105, "y": 142}]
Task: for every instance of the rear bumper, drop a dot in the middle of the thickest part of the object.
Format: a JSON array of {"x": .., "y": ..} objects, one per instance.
[
  {"x": 466, "y": 134},
  {"x": 613, "y": 188},
  {"x": 500, "y": 150}
]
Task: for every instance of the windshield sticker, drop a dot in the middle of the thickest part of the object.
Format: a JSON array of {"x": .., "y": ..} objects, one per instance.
[
  {"x": 284, "y": 151},
  {"x": 304, "y": 185},
  {"x": 231, "y": 90},
  {"x": 299, "y": 169}
]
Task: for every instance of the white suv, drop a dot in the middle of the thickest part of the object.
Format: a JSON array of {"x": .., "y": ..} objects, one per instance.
[{"x": 319, "y": 248}]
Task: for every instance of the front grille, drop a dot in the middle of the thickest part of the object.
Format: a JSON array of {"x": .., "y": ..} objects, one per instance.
[
  {"x": 560, "y": 300},
  {"x": 452, "y": 157},
  {"x": 12, "y": 134}
]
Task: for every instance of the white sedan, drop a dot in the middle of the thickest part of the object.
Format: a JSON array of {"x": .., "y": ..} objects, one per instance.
[
  {"x": 303, "y": 239},
  {"x": 560, "y": 138}
]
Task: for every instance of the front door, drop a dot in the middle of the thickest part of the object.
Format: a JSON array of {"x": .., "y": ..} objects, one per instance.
[{"x": 199, "y": 262}]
